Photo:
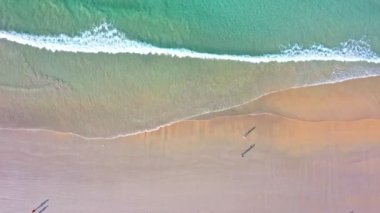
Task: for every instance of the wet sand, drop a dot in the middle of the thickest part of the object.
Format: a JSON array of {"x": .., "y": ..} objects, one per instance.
[
  {"x": 348, "y": 100},
  {"x": 314, "y": 160}
]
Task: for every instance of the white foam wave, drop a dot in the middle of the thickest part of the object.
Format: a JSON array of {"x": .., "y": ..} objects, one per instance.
[{"x": 107, "y": 39}]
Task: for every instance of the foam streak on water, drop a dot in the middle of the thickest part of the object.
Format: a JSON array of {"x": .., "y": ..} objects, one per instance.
[{"x": 107, "y": 39}]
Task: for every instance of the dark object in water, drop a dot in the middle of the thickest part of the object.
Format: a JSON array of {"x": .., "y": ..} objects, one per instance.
[
  {"x": 42, "y": 204},
  {"x": 249, "y": 131},
  {"x": 245, "y": 152}
]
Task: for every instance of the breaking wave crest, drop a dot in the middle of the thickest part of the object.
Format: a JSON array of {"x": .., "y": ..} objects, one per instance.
[{"x": 107, "y": 39}]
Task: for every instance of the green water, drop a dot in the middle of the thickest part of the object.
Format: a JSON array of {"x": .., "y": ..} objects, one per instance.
[{"x": 230, "y": 26}]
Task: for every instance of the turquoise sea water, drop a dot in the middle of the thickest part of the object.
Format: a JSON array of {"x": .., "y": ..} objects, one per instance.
[{"x": 108, "y": 67}]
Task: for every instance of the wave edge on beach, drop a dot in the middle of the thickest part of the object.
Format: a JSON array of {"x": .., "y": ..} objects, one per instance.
[{"x": 198, "y": 117}]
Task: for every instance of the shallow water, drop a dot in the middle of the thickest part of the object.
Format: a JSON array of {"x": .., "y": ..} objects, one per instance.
[{"x": 107, "y": 95}]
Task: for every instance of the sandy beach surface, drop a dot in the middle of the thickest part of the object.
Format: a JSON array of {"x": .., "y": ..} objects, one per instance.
[{"x": 316, "y": 150}]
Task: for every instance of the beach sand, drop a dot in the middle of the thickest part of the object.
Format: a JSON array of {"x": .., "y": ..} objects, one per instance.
[{"x": 316, "y": 150}]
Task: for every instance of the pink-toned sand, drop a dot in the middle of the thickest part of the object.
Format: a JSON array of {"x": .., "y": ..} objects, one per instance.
[{"x": 318, "y": 151}]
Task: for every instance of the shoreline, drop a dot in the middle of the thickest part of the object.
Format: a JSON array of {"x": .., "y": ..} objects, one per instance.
[{"x": 254, "y": 107}]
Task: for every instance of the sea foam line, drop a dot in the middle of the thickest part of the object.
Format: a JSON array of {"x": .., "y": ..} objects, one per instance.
[
  {"x": 188, "y": 118},
  {"x": 107, "y": 39}
]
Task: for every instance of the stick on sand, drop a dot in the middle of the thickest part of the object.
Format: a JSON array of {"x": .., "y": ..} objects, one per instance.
[
  {"x": 41, "y": 205},
  {"x": 249, "y": 131},
  {"x": 245, "y": 152},
  {"x": 42, "y": 210}
]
